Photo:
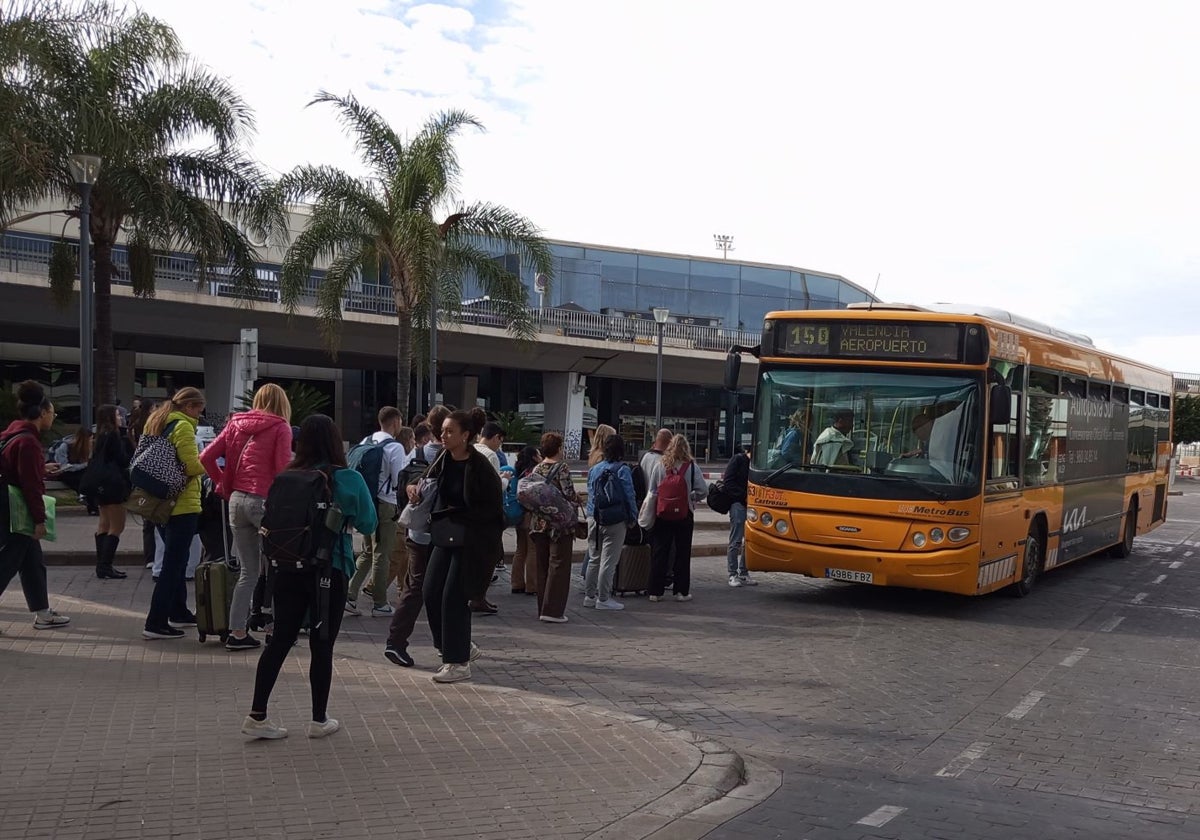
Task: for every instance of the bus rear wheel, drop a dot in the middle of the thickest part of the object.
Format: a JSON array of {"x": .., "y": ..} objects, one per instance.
[
  {"x": 1125, "y": 547},
  {"x": 1031, "y": 565}
]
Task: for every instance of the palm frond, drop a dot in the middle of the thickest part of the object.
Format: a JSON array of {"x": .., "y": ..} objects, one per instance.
[
  {"x": 191, "y": 102},
  {"x": 374, "y": 139}
]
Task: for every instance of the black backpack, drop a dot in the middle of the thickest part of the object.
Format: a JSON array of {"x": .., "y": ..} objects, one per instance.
[
  {"x": 300, "y": 522},
  {"x": 608, "y": 508},
  {"x": 641, "y": 485}
]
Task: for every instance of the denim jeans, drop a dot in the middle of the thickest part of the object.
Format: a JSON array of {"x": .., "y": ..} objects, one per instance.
[
  {"x": 245, "y": 518},
  {"x": 169, "y": 601},
  {"x": 599, "y": 579},
  {"x": 736, "y": 558}
]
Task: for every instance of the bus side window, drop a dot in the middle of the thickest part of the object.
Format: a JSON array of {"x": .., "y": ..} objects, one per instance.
[{"x": 1004, "y": 452}]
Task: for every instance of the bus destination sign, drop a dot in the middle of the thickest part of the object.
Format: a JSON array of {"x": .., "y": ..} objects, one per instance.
[{"x": 871, "y": 340}]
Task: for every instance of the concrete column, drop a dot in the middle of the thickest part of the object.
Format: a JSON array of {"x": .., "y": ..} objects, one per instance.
[
  {"x": 126, "y": 376},
  {"x": 562, "y": 398},
  {"x": 461, "y": 391}
]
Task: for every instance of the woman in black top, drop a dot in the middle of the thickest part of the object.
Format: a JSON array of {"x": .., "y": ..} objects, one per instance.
[
  {"x": 468, "y": 520},
  {"x": 106, "y": 482}
]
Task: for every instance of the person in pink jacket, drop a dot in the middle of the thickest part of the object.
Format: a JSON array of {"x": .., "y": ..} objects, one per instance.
[{"x": 256, "y": 446}]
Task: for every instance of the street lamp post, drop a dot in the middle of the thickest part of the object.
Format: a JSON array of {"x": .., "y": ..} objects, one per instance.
[
  {"x": 433, "y": 348},
  {"x": 84, "y": 169},
  {"x": 724, "y": 244},
  {"x": 660, "y": 317}
]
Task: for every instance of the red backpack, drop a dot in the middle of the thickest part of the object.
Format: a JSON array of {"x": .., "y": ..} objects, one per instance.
[{"x": 673, "y": 495}]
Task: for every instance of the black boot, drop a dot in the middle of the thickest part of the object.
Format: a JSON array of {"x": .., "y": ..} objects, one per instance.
[
  {"x": 105, "y": 567},
  {"x": 100, "y": 554}
]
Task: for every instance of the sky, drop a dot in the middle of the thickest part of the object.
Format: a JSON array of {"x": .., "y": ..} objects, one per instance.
[{"x": 1041, "y": 157}]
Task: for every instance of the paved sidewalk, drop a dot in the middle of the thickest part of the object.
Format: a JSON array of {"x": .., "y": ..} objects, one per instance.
[{"x": 109, "y": 736}]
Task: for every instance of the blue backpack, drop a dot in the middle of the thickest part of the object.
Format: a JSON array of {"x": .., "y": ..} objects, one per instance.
[
  {"x": 609, "y": 508},
  {"x": 513, "y": 511},
  {"x": 366, "y": 459}
]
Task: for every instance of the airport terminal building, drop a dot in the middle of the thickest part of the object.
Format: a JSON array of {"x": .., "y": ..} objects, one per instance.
[{"x": 594, "y": 359}]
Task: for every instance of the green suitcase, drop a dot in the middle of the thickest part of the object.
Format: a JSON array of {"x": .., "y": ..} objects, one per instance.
[{"x": 214, "y": 594}]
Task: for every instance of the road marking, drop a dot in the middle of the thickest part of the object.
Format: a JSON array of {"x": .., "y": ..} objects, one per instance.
[
  {"x": 1023, "y": 708},
  {"x": 1176, "y": 564},
  {"x": 1111, "y": 624},
  {"x": 964, "y": 760},
  {"x": 1188, "y": 553},
  {"x": 882, "y": 816},
  {"x": 1141, "y": 596},
  {"x": 1160, "y": 578},
  {"x": 1073, "y": 658}
]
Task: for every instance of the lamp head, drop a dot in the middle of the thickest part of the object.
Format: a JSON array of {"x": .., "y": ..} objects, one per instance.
[
  {"x": 84, "y": 168},
  {"x": 661, "y": 314}
]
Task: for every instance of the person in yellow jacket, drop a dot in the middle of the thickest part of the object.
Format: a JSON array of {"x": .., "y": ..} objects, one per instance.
[{"x": 177, "y": 418}]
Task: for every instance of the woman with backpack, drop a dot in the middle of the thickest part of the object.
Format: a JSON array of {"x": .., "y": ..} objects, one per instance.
[
  {"x": 465, "y": 528},
  {"x": 524, "y": 566},
  {"x": 591, "y": 553},
  {"x": 610, "y": 507},
  {"x": 22, "y": 465},
  {"x": 255, "y": 446},
  {"x": 319, "y": 447},
  {"x": 676, "y": 484},
  {"x": 551, "y": 544},
  {"x": 176, "y": 419},
  {"x": 106, "y": 481}
]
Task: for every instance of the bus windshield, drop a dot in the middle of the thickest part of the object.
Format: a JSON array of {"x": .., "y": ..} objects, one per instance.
[{"x": 868, "y": 433}]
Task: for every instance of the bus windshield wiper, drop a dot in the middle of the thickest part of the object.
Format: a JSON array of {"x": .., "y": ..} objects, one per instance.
[
  {"x": 938, "y": 496},
  {"x": 791, "y": 465}
]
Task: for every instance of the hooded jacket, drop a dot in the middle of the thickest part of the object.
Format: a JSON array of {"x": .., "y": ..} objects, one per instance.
[
  {"x": 183, "y": 438},
  {"x": 256, "y": 446},
  {"x": 21, "y": 465}
]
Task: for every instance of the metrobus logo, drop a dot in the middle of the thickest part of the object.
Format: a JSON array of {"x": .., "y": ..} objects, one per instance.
[{"x": 926, "y": 510}]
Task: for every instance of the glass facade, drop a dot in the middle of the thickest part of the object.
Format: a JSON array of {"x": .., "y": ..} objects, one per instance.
[{"x": 710, "y": 292}]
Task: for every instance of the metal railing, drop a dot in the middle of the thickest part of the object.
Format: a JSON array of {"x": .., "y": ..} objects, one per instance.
[{"x": 24, "y": 254}]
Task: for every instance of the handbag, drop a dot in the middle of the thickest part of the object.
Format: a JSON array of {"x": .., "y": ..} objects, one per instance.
[
  {"x": 20, "y": 520},
  {"x": 445, "y": 532},
  {"x": 415, "y": 516},
  {"x": 149, "y": 507},
  {"x": 105, "y": 482},
  {"x": 156, "y": 467}
]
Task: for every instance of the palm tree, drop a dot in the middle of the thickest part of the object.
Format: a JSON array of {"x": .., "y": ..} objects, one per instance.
[
  {"x": 97, "y": 79},
  {"x": 388, "y": 222}
]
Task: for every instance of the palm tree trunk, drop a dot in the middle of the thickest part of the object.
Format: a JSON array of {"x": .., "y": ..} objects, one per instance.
[
  {"x": 403, "y": 358},
  {"x": 105, "y": 358}
]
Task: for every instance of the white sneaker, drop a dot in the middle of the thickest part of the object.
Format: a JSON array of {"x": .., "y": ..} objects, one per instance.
[
  {"x": 654, "y": 599},
  {"x": 734, "y": 580},
  {"x": 747, "y": 580},
  {"x": 680, "y": 597},
  {"x": 47, "y": 619},
  {"x": 321, "y": 730},
  {"x": 610, "y": 604},
  {"x": 262, "y": 728},
  {"x": 561, "y": 619},
  {"x": 589, "y": 602},
  {"x": 352, "y": 608},
  {"x": 150, "y": 565},
  {"x": 386, "y": 609},
  {"x": 475, "y": 652},
  {"x": 452, "y": 673}
]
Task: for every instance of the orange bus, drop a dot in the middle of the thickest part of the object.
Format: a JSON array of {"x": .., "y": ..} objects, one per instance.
[{"x": 953, "y": 448}]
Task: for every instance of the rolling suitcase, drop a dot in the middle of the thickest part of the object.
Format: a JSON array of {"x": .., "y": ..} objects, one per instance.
[
  {"x": 633, "y": 570},
  {"x": 214, "y": 593}
]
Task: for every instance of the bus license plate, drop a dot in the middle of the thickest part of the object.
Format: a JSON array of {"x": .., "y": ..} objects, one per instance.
[{"x": 849, "y": 576}]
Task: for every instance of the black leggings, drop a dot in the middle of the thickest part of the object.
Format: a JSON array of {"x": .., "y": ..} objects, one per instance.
[{"x": 294, "y": 595}]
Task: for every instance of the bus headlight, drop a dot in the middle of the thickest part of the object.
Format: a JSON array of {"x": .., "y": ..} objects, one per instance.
[
  {"x": 751, "y": 515},
  {"x": 959, "y": 534},
  {"x": 781, "y": 526},
  {"x": 936, "y": 535},
  {"x": 918, "y": 539},
  {"x": 766, "y": 519}
]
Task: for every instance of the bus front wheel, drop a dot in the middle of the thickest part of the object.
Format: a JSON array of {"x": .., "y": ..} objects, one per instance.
[
  {"x": 1031, "y": 565},
  {"x": 1125, "y": 547}
]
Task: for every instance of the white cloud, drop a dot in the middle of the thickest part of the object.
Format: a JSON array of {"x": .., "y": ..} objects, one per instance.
[{"x": 1038, "y": 157}]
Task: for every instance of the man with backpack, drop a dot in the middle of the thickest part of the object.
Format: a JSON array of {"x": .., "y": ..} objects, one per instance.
[{"x": 379, "y": 459}]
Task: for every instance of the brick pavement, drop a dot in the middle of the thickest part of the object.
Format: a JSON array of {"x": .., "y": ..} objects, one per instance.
[{"x": 120, "y": 738}]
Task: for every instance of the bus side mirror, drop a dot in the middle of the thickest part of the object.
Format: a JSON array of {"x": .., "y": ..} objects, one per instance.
[
  {"x": 733, "y": 366},
  {"x": 1001, "y": 405}
]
